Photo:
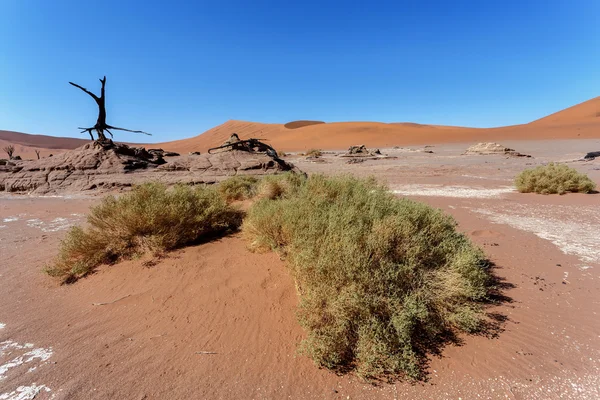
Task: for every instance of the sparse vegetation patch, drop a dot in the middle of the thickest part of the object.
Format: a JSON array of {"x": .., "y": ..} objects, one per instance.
[
  {"x": 314, "y": 153},
  {"x": 553, "y": 179},
  {"x": 276, "y": 186},
  {"x": 238, "y": 188},
  {"x": 150, "y": 218},
  {"x": 382, "y": 281}
]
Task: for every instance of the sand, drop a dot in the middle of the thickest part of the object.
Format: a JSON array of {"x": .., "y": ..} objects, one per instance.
[
  {"x": 214, "y": 321},
  {"x": 588, "y": 111},
  {"x": 26, "y": 144},
  {"x": 581, "y": 121}
]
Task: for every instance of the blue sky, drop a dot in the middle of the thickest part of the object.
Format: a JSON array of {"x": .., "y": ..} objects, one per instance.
[{"x": 177, "y": 68}]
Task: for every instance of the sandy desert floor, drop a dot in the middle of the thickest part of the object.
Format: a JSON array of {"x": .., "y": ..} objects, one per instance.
[{"x": 217, "y": 322}]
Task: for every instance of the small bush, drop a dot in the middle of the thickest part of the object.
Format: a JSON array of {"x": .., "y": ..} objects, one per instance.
[
  {"x": 238, "y": 188},
  {"x": 276, "y": 186},
  {"x": 553, "y": 179},
  {"x": 382, "y": 281},
  {"x": 151, "y": 218},
  {"x": 314, "y": 153}
]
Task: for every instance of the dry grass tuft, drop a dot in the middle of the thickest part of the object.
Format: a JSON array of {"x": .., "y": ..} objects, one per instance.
[
  {"x": 314, "y": 153},
  {"x": 150, "y": 218},
  {"x": 553, "y": 179},
  {"x": 238, "y": 188},
  {"x": 382, "y": 281},
  {"x": 276, "y": 186}
]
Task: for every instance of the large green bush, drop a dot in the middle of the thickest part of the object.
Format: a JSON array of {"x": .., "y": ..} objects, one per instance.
[
  {"x": 553, "y": 179},
  {"x": 382, "y": 281},
  {"x": 150, "y": 218}
]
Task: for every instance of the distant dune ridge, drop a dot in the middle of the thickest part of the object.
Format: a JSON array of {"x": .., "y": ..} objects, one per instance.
[
  {"x": 580, "y": 121},
  {"x": 588, "y": 111},
  {"x": 26, "y": 144},
  {"x": 301, "y": 124}
]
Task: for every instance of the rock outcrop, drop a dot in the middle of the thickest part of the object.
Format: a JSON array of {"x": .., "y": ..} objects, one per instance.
[
  {"x": 106, "y": 165},
  {"x": 592, "y": 155},
  {"x": 361, "y": 151},
  {"x": 493, "y": 148}
]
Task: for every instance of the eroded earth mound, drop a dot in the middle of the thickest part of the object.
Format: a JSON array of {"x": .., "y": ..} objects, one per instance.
[
  {"x": 493, "y": 148},
  {"x": 106, "y": 165},
  {"x": 361, "y": 151}
]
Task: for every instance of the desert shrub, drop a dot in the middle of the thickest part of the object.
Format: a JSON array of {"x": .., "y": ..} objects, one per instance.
[
  {"x": 277, "y": 186},
  {"x": 238, "y": 188},
  {"x": 382, "y": 281},
  {"x": 282, "y": 154},
  {"x": 150, "y": 218},
  {"x": 314, "y": 153},
  {"x": 553, "y": 179}
]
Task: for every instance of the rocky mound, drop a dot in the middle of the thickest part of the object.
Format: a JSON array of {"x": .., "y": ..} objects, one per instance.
[
  {"x": 361, "y": 151},
  {"x": 493, "y": 148},
  {"x": 108, "y": 165}
]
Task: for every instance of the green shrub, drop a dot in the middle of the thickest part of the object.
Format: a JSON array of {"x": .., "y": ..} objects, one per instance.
[
  {"x": 150, "y": 218},
  {"x": 553, "y": 179},
  {"x": 238, "y": 188},
  {"x": 382, "y": 281},
  {"x": 314, "y": 153}
]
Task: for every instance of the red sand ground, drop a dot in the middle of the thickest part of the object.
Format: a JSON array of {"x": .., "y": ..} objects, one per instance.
[
  {"x": 219, "y": 298},
  {"x": 142, "y": 331}
]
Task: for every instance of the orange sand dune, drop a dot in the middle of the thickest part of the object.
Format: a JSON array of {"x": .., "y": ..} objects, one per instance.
[
  {"x": 340, "y": 135},
  {"x": 47, "y": 142},
  {"x": 27, "y": 152},
  {"x": 26, "y": 144},
  {"x": 580, "y": 121},
  {"x": 588, "y": 111}
]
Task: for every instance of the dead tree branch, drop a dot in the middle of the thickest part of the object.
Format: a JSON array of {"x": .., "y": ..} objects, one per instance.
[
  {"x": 101, "y": 125},
  {"x": 10, "y": 149}
]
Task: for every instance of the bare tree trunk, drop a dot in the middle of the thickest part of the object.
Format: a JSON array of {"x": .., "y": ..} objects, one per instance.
[{"x": 101, "y": 124}]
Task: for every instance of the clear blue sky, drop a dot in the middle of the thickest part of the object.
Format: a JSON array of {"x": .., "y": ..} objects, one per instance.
[{"x": 177, "y": 68}]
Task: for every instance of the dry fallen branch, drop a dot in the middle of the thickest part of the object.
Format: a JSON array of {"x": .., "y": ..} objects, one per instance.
[
  {"x": 111, "y": 302},
  {"x": 206, "y": 352}
]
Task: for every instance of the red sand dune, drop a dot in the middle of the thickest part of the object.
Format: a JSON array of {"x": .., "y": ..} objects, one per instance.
[
  {"x": 340, "y": 135},
  {"x": 26, "y": 144},
  {"x": 580, "y": 121},
  {"x": 588, "y": 111}
]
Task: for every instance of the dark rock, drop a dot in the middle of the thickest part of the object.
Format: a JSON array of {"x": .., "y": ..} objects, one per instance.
[{"x": 592, "y": 155}]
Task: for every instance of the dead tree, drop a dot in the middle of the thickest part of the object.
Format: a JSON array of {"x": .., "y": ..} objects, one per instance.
[
  {"x": 101, "y": 124},
  {"x": 10, "y": 149},
  {"x": 37, "y": 153}
]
